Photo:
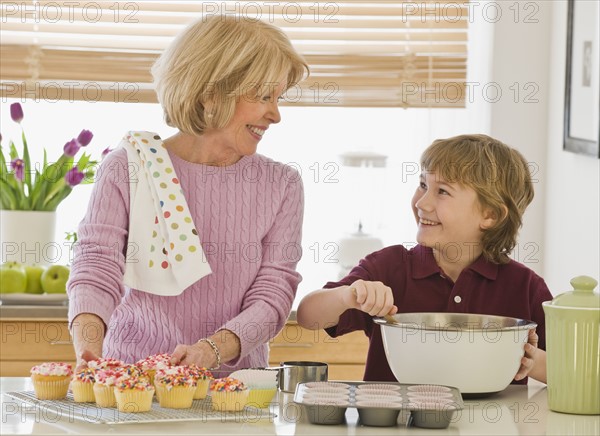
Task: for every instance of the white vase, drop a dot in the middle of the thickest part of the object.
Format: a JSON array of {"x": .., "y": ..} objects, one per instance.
[{"x": 28, "y": 237}]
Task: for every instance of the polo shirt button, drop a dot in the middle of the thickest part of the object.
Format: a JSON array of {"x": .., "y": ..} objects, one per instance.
[{"x": 457, "y": 299}]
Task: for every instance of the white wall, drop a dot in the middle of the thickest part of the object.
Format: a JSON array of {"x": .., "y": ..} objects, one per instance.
[
  {"x": 559, "y": 239},
  {"x": 572, "y": 242},
  {"x": 519, "y": 116}
]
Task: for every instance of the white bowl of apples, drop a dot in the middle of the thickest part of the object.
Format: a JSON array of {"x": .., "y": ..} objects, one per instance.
[{"x": 33, "y": 282}]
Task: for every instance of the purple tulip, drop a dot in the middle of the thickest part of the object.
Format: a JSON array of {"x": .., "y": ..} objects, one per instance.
[
  {"x": 16, "y": 112},
  {"x": 19, "y": 168},
  {"x": 71, "y": 148},
  {"x": 74, "y": 177},
  {"x": 105, "y": 152},
  {"x": 85, "y": 137}
]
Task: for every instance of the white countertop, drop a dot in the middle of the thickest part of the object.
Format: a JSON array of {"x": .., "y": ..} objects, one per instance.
[{"x": 517, "y": 410}]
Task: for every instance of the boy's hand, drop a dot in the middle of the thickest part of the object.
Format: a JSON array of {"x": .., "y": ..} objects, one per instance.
[
  {"x": 374, "y": 298},
  {"x": 528, "y": 359}
]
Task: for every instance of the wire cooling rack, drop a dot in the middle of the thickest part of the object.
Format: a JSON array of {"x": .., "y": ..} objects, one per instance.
[{"x": 201, "y": 410}]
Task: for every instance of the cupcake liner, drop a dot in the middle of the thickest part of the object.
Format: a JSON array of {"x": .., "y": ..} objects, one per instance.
[
  {"x": 201, "y": 389},
  {"x": 378, "y": 387},
  {"x": 229, "y": 401},
  {"x": 133, "y": 400},
  {"x": 432, "y": 395},
  {"x": 320, "y": 394},
  {"x": 328, "y": 384},
  {"x": 374, "y": 404},
  {"x": 178, "y": 397},
  {"x": 378, "y": 397},
  {"x": 328, "y": 389},
  {"x": 377, "y": 392},
  {"x": 261, "y": 398},
  {"x": 429, "y": 388},
  {"x": 83, "y": 392},
  {"x": 53, "y": 389},
  {"x": 105, "y": 395},
  {"x": 256, "y": 378}
]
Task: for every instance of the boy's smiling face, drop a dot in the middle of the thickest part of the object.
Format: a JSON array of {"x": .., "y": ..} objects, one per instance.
[{"x": 449, "y": 216}]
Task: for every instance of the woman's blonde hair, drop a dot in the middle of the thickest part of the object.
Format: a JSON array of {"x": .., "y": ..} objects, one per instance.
[
  {"x": 499, "y": 175},
  {"x": 216, "y": 61}
]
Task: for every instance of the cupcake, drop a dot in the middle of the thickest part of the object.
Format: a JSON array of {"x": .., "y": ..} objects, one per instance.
[
  {"x": 261, "y": 383},
  {"x": 203, "y": 378},
  {"x": 104, "y": 363},
  {"x": 133, "y": 395},
  {"x": 51, "y": 380},
  {"x": 104, "y": 386},
  {"x": 133, "y": 371},
  {"x": 82, "y": 386},
  {"x": 175, "y": 387},
  {"x": 228, "y": 394},
  {"x": 153, "y": 363}
]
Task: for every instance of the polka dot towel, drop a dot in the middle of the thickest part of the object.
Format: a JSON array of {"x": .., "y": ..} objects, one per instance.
[{"x": 164, "y": 254}]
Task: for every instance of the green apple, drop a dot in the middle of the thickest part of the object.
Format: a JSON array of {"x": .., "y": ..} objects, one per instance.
[
  {"x": 12, "y": 278},
  {"x": 34, "y": 279},
  {"x": 54, "y": 279}
]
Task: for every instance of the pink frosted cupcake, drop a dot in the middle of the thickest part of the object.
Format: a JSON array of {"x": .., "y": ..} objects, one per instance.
[
  {"x": 175, "y": 387},
  {"x": 203, "y": 378},
  {"x": 104, "y": 392},
  {"x": 153, "y": 363},
  {"x": 51, "y": 380},
  {"x": 82, "y": 386},
  {"x": 228, "y": 394},
  {"x": 104, "y": 363},
  {"x": 133, "y": 371},
  {"x": 133, "y": 395}
]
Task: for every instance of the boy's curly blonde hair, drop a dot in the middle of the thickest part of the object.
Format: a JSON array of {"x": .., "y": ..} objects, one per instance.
[{"x": 499, "y": 175}]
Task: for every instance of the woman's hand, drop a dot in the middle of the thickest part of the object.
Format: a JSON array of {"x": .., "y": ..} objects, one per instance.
[
  {"x": 87, "y": 331},
  {"x": 528, "y": 360},
  {"x": 374, "y": 298},
  {"x": 200, "y": 354},
  {"x": 84, "y": 358}
]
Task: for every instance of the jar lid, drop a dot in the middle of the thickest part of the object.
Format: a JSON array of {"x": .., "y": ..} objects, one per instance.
[{"x": 582, "y": 295}]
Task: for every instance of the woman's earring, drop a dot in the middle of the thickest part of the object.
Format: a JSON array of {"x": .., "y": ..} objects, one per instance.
[{"x": 209, "y": 115}]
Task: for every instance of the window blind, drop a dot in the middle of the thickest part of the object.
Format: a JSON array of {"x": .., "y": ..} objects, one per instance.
[{"x": 361, "y": 53}]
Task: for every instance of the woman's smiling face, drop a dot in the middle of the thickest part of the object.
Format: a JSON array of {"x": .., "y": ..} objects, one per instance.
[{"x": 254, "y": 113}]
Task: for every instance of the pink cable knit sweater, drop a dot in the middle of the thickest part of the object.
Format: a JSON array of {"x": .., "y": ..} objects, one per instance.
[{"x": 249, "y": 218}]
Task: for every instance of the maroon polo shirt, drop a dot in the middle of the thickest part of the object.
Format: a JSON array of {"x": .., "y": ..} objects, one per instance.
[{"x": 416, "y": 281}]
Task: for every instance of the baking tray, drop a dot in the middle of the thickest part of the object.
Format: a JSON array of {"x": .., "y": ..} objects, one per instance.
[
  {"x": 201, "y": 410},
  {"x": 425, "y": 410}
]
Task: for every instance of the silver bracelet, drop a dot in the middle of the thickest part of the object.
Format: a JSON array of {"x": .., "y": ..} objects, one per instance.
[{"x": 215, "y": 349}]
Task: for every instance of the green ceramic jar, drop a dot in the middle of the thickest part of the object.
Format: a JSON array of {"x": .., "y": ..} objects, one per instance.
[{"x": 572, "y": 347}]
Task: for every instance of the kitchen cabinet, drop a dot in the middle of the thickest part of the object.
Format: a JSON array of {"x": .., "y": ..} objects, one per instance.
[
  {"x": 26, "y": 342},
  {"x": 345, "y": 355}
]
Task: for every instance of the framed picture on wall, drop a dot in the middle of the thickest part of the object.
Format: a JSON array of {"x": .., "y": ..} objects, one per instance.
[{"x": 582, "y": 91}]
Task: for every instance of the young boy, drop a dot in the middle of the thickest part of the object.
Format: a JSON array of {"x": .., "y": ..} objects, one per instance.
[{"x": 472, "y": 194}]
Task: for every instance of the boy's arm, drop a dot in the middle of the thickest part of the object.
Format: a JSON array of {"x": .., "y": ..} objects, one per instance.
[
  {"x": 533, "y": 363},
  {"x": 538, "y": 371},
  {"x": 322, "y": 308}
]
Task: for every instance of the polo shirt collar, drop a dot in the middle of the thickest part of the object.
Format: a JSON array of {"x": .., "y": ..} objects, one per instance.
[{"x": 424, "y": 265}]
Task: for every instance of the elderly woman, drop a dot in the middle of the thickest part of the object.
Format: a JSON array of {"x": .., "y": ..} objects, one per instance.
[{"x": 190, "y": 244}]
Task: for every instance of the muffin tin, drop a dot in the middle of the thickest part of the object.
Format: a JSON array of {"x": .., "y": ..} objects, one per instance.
[{"x": 379, "y": 404}]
